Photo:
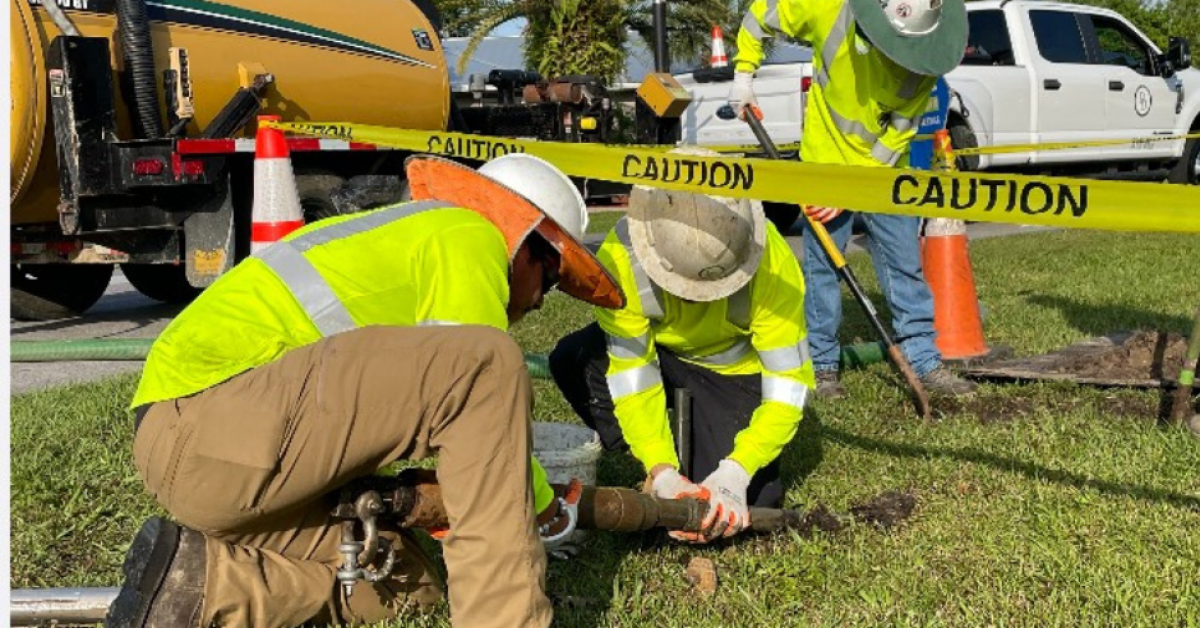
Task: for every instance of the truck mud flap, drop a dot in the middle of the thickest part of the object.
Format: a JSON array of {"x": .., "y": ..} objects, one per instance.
[{"x": 209, "y": 240}]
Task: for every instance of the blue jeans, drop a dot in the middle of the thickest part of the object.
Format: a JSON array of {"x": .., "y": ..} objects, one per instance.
[{"x": 894, "y": 244}]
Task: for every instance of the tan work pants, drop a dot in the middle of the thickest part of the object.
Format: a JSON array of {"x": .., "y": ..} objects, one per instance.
[{"x": 254, "y": 464}]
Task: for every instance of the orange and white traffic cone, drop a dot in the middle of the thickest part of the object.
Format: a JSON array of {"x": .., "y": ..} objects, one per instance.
[
  {"x": 947, "y": 268},
  {"x": 719, "y": 59},
  {"x": 276, "y": 210}
]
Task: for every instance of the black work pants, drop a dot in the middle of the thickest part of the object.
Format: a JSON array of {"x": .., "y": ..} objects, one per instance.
[{"x": 721, "y": 405}]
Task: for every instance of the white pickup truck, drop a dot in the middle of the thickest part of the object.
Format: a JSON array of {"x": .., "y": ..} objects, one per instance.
[{"x": 1033, "y": 72}]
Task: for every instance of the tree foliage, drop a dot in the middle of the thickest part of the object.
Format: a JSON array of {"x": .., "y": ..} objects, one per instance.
[{"x": 1160, "y": 20}]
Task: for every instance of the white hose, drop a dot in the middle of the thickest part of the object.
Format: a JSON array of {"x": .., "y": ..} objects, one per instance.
[{"x": 60, "y": 19}]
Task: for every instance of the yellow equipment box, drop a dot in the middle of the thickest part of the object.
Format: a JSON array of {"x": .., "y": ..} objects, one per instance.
[{"x": 664, "y": 95}]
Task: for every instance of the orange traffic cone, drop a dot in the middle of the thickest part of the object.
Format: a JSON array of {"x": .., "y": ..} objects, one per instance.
[
  {"x": 276, "y": 210},
  {"x": 948, "y": 271},
  {"x": 719, "y": 59}
]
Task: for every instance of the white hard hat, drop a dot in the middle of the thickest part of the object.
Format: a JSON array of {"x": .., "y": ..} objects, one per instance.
[
  {"x": 696, "y": 247},
  {"x": 545, "y": 186}
]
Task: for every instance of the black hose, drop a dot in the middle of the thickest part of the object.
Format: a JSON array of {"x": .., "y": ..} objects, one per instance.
[{"x": 134, "y": 28}]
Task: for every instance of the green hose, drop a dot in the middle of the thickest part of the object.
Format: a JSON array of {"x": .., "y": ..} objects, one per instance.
[{"x": 125, "y": 349}]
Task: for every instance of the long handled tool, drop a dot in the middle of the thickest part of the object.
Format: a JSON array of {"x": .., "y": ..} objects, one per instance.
[
  {"x": 1181, "y": 404},
  {"x": 920, "y": 396}
]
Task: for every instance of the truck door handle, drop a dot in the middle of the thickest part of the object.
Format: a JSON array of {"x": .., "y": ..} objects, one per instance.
[
  {"x": 1051, "y": 84},
  {"x": 1116, "y": 86}
]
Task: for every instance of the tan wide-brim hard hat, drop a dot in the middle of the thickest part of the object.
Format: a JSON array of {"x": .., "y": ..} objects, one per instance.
[
  {"x": 696, "y": 247},
  {"x": 580, "y": 274}
]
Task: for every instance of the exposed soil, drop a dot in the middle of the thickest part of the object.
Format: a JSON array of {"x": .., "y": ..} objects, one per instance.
[
  {"x": 1144, "y": 355},
  {"x": 995, "y": 408},
  {"x": 702, "y": 573},
  {"x": 886, "y": 510}
]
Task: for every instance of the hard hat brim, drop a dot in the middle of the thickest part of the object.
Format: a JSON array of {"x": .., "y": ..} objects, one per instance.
[
  {"x": 581, "y": 275},
  {"x": 933, "y": 54},
  {"x": 684, "y": 287}
]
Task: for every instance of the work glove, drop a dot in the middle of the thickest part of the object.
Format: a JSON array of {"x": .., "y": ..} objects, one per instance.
[
  {"x": 556, "y": 524},
  {"x": 728, "y": 513},
  {"x": 822, "y": 214},
  {"x": 669, "y": 484},
  {"x": 742, "y": 93}
]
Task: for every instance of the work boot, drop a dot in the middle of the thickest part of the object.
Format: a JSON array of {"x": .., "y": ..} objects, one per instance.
[
  {"x": 829, "y": 385},
  {"x": 940, "y": 381},
  {"x": 164, "y": 579}
]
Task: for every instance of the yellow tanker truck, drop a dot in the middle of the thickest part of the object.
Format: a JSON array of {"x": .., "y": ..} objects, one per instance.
[{"x": 130, "y": 121}]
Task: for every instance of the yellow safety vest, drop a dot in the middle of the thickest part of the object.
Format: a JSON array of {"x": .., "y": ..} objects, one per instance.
[
  {"x": 426, "y": 263},
  {"x": 758, "y": 330},
  {"x": 863, "y": 109}
]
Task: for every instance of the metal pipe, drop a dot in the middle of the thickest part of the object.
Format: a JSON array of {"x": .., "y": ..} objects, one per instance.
[
  {"x": 36, "y": 607},
  {"x": 60, "y": 18},
  {"x": 662, "y": 57},
  {"x": 683, "y": 429}
]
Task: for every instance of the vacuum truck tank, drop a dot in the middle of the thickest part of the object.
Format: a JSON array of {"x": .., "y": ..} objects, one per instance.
[{"x": 98, "y": 119}]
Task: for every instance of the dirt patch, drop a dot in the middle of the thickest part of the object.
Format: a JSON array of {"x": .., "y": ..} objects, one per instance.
[
  {"x": 886, "y": 510},
  {"x": 995, "y": 408},
  {"x": 1144, "y": 355}
]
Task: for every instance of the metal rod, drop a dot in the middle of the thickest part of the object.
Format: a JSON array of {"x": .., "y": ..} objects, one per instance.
[
  {"x": 683, "y": 430},
  {"x": 35, "y": 607},
  {"x": 662, "y": 57},
  {"x": 60, "y": 18}
]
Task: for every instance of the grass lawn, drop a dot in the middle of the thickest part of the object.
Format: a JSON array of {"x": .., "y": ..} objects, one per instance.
[{"x": 1076, "y": 509}]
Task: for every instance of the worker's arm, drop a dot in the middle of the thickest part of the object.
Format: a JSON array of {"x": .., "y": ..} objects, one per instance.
[
  {"x": 779, "y": 336},
  {"x": 903, "y": 126},
  {"x": 634, "y": 378},
  {"x": 765, "y": 19},
  {"x": 466, "y": 272}
]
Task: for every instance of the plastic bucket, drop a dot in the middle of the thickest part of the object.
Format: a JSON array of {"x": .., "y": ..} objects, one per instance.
[{"x": 567, "y": 451}]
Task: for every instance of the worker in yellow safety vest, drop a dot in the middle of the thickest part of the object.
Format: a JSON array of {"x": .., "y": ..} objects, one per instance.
[
  {"x": 875, "y": 63},
  {"x": 354, "y": 342},
  {"x": 715, "y": 307}
]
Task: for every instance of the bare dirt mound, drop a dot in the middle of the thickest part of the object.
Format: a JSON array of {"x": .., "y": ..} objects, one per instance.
[
  {"x": 886, "y": 510},
  {"x": 1143, "y": 355}
]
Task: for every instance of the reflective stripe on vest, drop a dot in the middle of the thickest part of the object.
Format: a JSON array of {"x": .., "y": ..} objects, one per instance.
[
  {"x": 315, "y": 296},
  {"x": 908, "y": 88},
  {"x": 628, "y": 348},
  {"x": 634, "y": 380},
  {"x": 783, "y": 390},
  {"x": 785, "y": 358},
  {"x": 740, "y": 349},
  {"x": 649, "y": 294}
]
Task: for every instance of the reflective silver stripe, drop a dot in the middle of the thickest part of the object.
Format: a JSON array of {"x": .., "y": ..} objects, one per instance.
[
  {"x": 738, "y": 308},
  {"x": 308, "y": 287},
  {"x": 362, "y": 224},
  {"x": 785, "y": 358},
  {"x": 649, "y": 294},
  {"x": 851, "y": 127},
  {"x": 771, "y": 17},
  {"x": 902, "y": 124},
  {"x": 783, "y": 390},
  {"x": 633, "y": 381},
  {"x": 884, "y": 154},
  {"x": 437, "y": 323},
  {"x": 740, "y": 349},
  {"x": 908, "y": 89},
  {"x": 628, "y": 348},
  {"x": 751, "y": 25},
  {"x": 837, "y": 36}
]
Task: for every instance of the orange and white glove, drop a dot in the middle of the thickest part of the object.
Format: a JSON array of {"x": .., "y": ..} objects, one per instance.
[
  {"x": 728, "y": 512},
  {"x": 741, "y": 93},
  {"x": 669, "y": 484},
  {"x": 556, "y": 524},
  {"x": 822, "y": 214}
]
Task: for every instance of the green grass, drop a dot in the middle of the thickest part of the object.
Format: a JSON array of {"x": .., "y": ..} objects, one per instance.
[{"x": 1077, "y": 510}]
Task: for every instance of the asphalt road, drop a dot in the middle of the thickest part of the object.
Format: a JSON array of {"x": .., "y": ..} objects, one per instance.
[{"x": 123, "y": 313}]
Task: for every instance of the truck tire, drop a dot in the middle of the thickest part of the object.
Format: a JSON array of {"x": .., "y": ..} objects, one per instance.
[
  {"x": 961, "y": 136},
  {"x": 784, "y": 215},
  {"x": 315, "y": 189},
  {"x": 1187, "y": 171},
  {"x": 162, "y": 282},
  {"x": 46, "y": 292}
]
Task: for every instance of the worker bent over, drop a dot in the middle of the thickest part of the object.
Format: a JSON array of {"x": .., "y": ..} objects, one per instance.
[
  {"x": 874, "y": 67},
  {"x": 716, "y": 306},
  {"x": 355, "y": 342}
]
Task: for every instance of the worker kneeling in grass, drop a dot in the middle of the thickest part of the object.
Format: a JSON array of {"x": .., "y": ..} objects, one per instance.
[
  {"x": 716, "y": 305},
  {"x": 355, "y": 342}
]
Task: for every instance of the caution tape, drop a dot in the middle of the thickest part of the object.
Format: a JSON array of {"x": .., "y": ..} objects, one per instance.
[
  {"x": 1028, "y": 148},
  {"x": 977, "y": 196}
]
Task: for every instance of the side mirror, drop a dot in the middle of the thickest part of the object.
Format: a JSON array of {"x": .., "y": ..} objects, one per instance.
[{"x": 1179, "y": 53}]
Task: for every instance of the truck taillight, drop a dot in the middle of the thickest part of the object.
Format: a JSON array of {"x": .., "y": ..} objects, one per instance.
[
  {"x": 148, "y": 167},
  {"x": 805, "y": 84},
  {"x": 193, "y": 168}
]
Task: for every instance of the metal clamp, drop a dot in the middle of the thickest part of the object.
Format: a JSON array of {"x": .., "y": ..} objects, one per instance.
[{"x": 358, "y": 557}]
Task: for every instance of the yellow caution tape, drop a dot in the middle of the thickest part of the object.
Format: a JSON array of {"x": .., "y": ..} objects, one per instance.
[
  {"x": 978, "y": 196},
  {"x": 1028, "y": 148}
]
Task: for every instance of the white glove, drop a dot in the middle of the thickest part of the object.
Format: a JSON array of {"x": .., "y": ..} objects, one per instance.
[
  {"x": 728, "y": 513},
  {"x": 669, "y": 484},
  {"x": 559, "y": 542},
  {"x": 742, "y": 92}
]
